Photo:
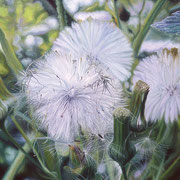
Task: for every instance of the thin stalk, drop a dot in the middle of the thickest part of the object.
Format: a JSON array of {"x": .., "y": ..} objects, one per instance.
[
  {"x": 139, "y": 24},
  {"x": 116, "y": 14},
  {"x": 145, "y": 27},
  {"x": 16, "y": 163},
  {"x": 60, "y": 10},
  {"x": 21, "y": 130},
  {"x": 19, "y": 147},
  {"x": 124, "y": 173},
  {"x": 34, "y": 150},
  {"x": 169, "y": 171}
]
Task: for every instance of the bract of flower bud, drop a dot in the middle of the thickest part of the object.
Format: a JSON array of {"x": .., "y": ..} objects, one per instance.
[
  {"x": 121, "y": 150},
  {"x": 137, "y": 106},
  {"x": 161, "y": 73}
]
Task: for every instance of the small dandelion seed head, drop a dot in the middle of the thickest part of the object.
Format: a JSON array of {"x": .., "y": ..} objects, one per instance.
[
  {"x": 68, "y": 94},
  {"x": 161, "y": 73},
  {"x": 100, "y": 43},
  {"x": 146, "y": 147}
]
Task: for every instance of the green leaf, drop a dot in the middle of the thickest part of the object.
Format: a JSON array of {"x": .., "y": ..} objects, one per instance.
[
  {"x": 11, "y": 58},
  {"x": 171, "y": 24},
  {"x": 4, "y": 70},
  {"x": 4, "y": 93}
]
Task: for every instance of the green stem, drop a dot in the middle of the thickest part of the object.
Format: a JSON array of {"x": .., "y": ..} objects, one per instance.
[
  {"x": 16, "y": 163},
  {"x": 145, "y": 27},
  {"x": 34, "y": 149},
  {"x": 170, "y": 170},
  {"x": 21, "y": 130},
  {"x": 124, "y": 173},
  {"x": 60, "y": 10},
  {"x": 116, "y": 14},
  {"x": 18, "y": 146}
]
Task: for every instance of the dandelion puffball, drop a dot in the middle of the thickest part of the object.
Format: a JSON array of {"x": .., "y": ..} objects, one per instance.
[
  {"x": 70, "y": 94},
  {"x": 100, "y": 42},
  {"x": 161, "y": 73}
]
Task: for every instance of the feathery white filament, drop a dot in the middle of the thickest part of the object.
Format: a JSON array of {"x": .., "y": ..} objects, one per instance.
[
  {"x": 162, "y": 74},
  {"x": 100, "y": 42},
  {"x": 68, "y": 94}
]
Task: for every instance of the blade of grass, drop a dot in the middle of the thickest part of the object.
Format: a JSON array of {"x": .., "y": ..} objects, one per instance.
[{"x": 11, "y": 58}]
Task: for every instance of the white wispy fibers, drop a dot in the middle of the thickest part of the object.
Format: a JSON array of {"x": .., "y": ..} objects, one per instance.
[
  {"x": 69, "y": 95},
  {"x": 98, "y": 15},
  {"x": 161, "y": 73},
  {"x": 100, "y": 42}
]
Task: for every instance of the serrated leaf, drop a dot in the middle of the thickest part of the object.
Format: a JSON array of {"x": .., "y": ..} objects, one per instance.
[{"x": 171, "y": 24}]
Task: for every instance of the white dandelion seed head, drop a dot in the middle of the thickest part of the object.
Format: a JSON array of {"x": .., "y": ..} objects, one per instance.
[
  {"x": 161, "y": 73},
  {"x": 98, "y": 15},
  {"x": 70, "y": 94},
  {"x": 100, "y": 42},
  {"x": 146, "y": 147}
]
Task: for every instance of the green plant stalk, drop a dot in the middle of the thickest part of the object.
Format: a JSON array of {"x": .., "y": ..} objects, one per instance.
[
  {"x": 145, "y": 27},
  {"x": 21, "y": 130},
  {"x": 175, "y": 165},
  {"x": 116, "y": 14},
  {"x": 124, "y": 173},
  {"x": 18, "y": 146},
  {"x": 16, "y": 163},
  {"x": 60, "y": 10},
  {"x": 11, "y": 58},
  {"x": 34, "y": 150}
]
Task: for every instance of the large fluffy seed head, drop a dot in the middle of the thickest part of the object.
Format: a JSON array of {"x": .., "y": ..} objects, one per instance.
[
  {"x": 161, "y": 73},
  {"x": 70, "y": 94},
  {"x": 100, "y": 42}
]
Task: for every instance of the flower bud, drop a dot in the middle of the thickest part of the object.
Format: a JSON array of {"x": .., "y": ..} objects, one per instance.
[
  {"x": 137, "y": 106},
  {"x": 121, "y": 150}
]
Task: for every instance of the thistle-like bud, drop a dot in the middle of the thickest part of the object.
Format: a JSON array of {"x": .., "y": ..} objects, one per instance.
[
  {"x": 137, "y": 106},
  {"x": 121, "y": 150},
  {"x": 3, "y": 110}
]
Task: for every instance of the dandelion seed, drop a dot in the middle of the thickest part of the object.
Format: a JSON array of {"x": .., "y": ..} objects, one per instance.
[
  {"x": 69, "y": 94},
  {"x": 100, "y": 42},
  {"x": 161, "y": 73}
]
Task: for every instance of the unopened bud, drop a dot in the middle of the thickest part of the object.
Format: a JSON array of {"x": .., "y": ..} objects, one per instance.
[
  {"x": 137, "y": 106},
  {"x": 121, "y": 150}
]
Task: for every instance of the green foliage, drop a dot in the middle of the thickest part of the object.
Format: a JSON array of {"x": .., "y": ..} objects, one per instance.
[
  {"x": 11, "y": 59},
  {"x": 52, "y": 160},
  {"x": 171, "y": 24}
]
